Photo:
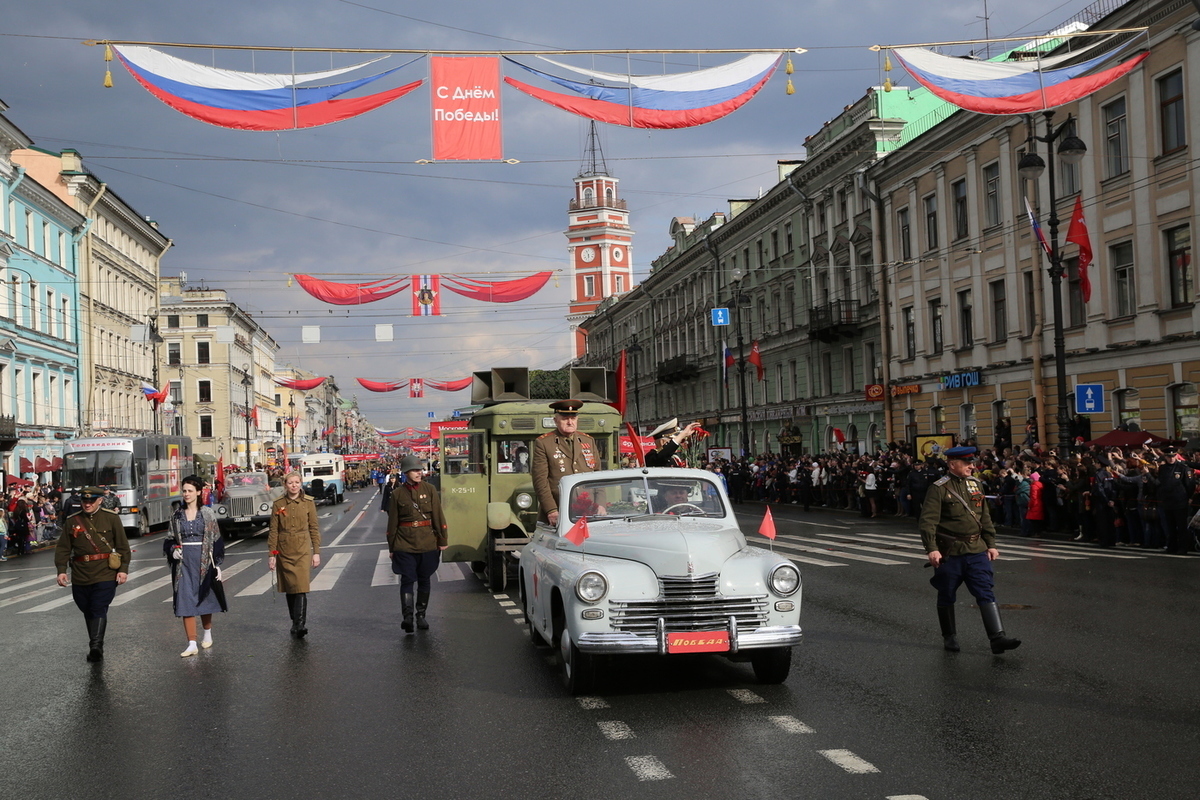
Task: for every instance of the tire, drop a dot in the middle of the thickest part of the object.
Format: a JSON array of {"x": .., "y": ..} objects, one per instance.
[
  {"x": 143, "y": 526},
  {"x": 497, "y": 569},
  {"x": 578, "y": 669},
  {"x": 772, "y": 664},
  {"x": 535, "y": 636}
]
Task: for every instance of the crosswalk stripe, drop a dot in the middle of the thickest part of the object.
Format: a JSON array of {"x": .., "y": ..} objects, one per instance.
[
  {"x": 70, "y": 598},
  {"x": 158, "y": 583},
  {"x": 229, "y": 570},
  {"x": 383, "y": 571},
  {"x": 18, "y": 587},
  {"x": 825, "y": 552},
  {"x": 792, "y": 537},
  {"x": 260, "y": 586},
  {"x": 330, "y": 573},
  {"x": 29, "y": 595},
  {"x": 816, "y": 562},
  {"x": 451, "y": 571}
]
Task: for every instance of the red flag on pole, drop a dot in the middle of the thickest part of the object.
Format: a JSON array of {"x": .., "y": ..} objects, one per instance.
[
  {"x": 578, "y": 532},
  {"x": 767, "y": 528},
  {"x": 220, "y": 478},
  {"x": 1078, "y": 234},
  {"x": 756, "y": 359}
]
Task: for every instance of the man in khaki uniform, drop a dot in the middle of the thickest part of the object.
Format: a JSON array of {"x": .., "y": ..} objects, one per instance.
[
  {"x": 561, "y": 452},
  {"x": 94, "y": 546},
  {"x": 416, "y": 535}
]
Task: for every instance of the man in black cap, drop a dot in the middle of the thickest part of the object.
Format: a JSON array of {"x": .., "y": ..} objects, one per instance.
[
  {"x": 94, "y": 546},
  {"x": 958, "y": 534},
  {"x": 558, "y": 453},
  {"x": 668, "y": 437}
]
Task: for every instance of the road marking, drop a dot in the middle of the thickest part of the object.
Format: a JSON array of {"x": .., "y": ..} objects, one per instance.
[
  {"x": 648, "y": 768},
  {"x": 9, "y": 580},
  {"x": 29, "y": 595},
  {"x": 259, "y": 586},
  {"x": 817, "y": 562},
  {"x": 616, "y": 730},
  {"x": 330, "y": 573},
  {"x": 500, "y": 596},
  {"x": 507, "y": 603},
  {"x": 869, "y": 548},
  {"x": 383, "y": 571},
  {"x": 62, "y": 601},
  {"x": 849, "y": 762},
  {"x": 745, "y": 696},
  {"x": 513, "y": 611},
  {"x": 450, "y": 571},
  {"x": 906, "y": 797},
  {"x": 26, "y": 584},
  {"x": 887, "y": 562},
  {"x": 520, "y": 621},
  {"x": 234, "y": 569},
  {"x": 158, "y": 583},
  {"x": 348, "y": 527},
  {"x": 790, "y": 724},
  {"x": 592, "y": 703},
  {"x": 905, "y": 542}
]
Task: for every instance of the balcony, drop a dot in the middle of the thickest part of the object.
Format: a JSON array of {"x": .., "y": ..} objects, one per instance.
[
  {"x": 582, "y": 205},
  {"x": 833, "y": 321},
  {"x": 679, "y": 369}
]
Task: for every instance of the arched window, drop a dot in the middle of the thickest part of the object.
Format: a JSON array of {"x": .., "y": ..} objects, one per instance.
[
  {"x": 589, "y": 196},
  {"x": 608, "y": 196}
]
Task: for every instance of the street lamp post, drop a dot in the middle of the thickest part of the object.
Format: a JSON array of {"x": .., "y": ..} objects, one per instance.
[
  {"x": 292, "y": 419},
  {"x": 247, "y": 382},
  {"x": 155, "y": 340},
  {"x": 635, "y": 350},
  {"x": 738, "y": 299},
  {"x": 1071, "y": 150}
]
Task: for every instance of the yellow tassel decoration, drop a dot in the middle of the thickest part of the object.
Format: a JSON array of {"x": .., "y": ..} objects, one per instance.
[
  {"x": 108, "y": 52},
  {"x": 887, "y": 84},
  {"x": 887, "y": 64},
  {"x": 108, "y": 84},
  {"x": 790, "y": 89},
  {"x": 289, "y": 281},
  {"x": 789, "y": 69}
]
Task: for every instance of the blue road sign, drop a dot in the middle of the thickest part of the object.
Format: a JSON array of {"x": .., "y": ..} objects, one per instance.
[
  {"x": 429, "y": 414},
  {"x": 720, "y": 316},
  {"x": 1089, "y": 398},
  {"x": 457, "y": 413}
]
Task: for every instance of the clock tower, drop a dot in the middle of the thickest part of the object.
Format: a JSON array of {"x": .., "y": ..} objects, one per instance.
[{"x": 598, "y": 241}]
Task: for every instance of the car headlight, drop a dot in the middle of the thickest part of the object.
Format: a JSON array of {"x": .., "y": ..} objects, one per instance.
[
  {"x": 222, "y": 511},
  {"x": 785, "y": 579},
  {"x": 264, "y": 507},
  {"x": 591, "y": 587},
  {"x": 524, "y": 500}
]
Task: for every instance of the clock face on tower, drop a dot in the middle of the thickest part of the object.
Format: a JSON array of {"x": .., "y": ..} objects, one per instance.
[
  {"x": 588, "y": 254},
  {"x": 618, "y": 254}
]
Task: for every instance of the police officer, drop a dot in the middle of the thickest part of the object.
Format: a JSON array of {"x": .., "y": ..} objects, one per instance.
[
  {"x": 960, "y": 539},
  {"x": 561, "y": 452},
  {"x": 668, "y": 438},
  {"x": 94, "y": 546}
]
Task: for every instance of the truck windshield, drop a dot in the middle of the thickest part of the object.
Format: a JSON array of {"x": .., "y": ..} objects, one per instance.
[{"x": 104, "y": 468}]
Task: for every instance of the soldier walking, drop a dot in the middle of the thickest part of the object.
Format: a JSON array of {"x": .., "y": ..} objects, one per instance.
[
  {"x": 958, "y": 534},
  {"x": 416, "y": 535}
]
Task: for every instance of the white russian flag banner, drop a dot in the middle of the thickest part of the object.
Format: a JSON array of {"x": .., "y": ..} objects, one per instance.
[{"x": 427, "y": 295}]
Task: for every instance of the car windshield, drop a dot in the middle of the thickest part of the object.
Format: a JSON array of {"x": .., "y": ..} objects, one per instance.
[
  {"x": 257, "y": 480},
  {"x": 638, "y": 495}
]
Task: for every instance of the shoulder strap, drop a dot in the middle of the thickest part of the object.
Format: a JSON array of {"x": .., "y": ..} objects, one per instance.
[{"x": 977, "y": 517}]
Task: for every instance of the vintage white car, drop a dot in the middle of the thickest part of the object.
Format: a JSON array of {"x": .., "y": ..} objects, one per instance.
[{"x": 664, "y": 569}]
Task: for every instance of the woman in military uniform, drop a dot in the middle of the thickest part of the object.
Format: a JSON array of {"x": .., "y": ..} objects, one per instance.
[
  {"x": 958, "y": 534},
  {"x": 295, "y": 547},
  {"x": 416, "y": 535},
  {"x": 194, "y": 549},
  {"x": 94, "y": 546}
]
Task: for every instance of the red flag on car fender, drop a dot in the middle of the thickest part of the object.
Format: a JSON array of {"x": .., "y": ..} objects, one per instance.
[
  {"x": 578, "y": 532},
  {"x": 767, "y": 528}
]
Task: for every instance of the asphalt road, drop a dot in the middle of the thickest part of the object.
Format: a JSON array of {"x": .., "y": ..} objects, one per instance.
[{"x": 1101, "y": 701}]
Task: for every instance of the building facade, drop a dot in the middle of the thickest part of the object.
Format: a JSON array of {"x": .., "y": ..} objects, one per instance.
[{"x": 39, "y": 317}]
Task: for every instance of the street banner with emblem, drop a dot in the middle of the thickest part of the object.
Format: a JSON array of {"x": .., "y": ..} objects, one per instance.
[
  {"x": 416, "y": 387},
  {"x": 427, "y": 295},
  {"x": 465, "y": 99}
]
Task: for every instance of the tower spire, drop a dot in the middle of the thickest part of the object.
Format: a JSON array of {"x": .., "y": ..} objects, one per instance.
[{"x": 593, "y": 156}]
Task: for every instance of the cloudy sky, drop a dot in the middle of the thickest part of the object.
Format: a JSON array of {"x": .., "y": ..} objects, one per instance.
[{"x": 349, "y": 202}]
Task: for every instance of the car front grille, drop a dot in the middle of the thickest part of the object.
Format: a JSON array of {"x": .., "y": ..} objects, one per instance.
[
  {"x": 243, "y": 506},
  {"x": 688, "y": 604}
]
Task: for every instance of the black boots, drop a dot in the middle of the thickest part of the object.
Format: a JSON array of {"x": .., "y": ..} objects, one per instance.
[
  {"x": 406, "y": 608},
  {"x": 298, "y": 611},
  {"x": 949, "y": 631},
  {"x": 422, "y": 604},
  {"x": 95, "y": 629},
  {"x": 995, "y": 631}
]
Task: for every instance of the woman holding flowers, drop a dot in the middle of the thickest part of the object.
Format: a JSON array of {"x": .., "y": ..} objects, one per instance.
[{"x": 295, "y": 547}]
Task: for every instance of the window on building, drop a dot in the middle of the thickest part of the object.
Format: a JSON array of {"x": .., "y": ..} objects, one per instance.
[
  {"x": 787, "y": 236},
  {"x": 1184, "y": 412},
  {"x": 1116, "y": 139},
  {"x": 936, "y": 339},
  {"x": 1120, "y": 257},
  {"x": 1179, "y": 265},
  {"x": 841, "y": 206},
  {"x": 968, "y": 428},
  {"x": 1171, "y": 113},
  {"x": 172, "y": 320},
  {"x": 1129, "y": 409},
  {"x": 931, "y": 226},
  {"x": 174, "y": 357},
  {"x": 848, "y": 381},
  {"x": 618, "y": 284},
  {"x": 1076, "y": 309},
  {"x": 176, "y": 390},
  {"x": 202, "y": 353},
  {"x": 762, "y": 256},
  {"x": 966, "y": 324},
  {"x": 826, "y": 374},
  {"x": 870, "y": 363},
  {"x": 958, "y": 193},
  {"x": 589, "y": 285},
  {"x": 204, "y": 392},
  {"x": 999, "y": 298},
  {"x": 206, "y": 426},
  {"x": 202, "y": 320},
  {"x": 904, "y": 232},
  {"x": 910, "y": 332},
  {"x": 991, "y": 195},
  {"x": 937, "y": 417},
  {"x": 774, "y": 244}
]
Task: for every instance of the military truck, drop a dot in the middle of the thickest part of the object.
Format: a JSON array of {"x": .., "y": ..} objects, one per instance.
[{"x": 485, "y": 481}]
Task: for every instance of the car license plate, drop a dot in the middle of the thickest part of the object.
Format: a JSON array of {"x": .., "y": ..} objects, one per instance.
[
  {"x": 698, "y": 642},
  {"x": 241, "y": 519}
]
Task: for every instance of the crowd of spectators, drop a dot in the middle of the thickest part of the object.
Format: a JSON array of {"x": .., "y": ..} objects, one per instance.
[{"x": 1125, "y": 497}]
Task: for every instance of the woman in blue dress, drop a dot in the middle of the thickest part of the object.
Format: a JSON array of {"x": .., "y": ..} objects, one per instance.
[{"x": 194, "y": 549}]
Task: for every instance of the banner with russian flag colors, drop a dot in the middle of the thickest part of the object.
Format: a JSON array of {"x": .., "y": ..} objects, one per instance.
[
  {"x": 465, "y": 101},
  {"x": 427, "y": 295}
]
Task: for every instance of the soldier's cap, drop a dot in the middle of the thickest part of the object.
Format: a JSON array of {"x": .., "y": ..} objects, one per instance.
[
  {"x": 410, "y": 463},
  {"x": 666, "y": 429},
  {"x": 91, "y": 493},
  {"x": 567, "y": 408},
  {"x": 961, "y": 453}
]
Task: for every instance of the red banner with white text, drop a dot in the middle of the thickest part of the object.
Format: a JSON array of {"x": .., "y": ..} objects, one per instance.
[{"x": 465, "y": 98}]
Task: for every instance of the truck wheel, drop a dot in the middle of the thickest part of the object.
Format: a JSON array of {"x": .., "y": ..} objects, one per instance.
[
  {"x": 497, "y": 569},
  {"x": 772, "y": 664},
  {"x": 579, "y": 669}
]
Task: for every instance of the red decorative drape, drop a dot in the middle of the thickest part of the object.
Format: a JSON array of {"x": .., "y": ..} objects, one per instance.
[
  {"x": 381, "y": 386},
  {"x": 351, "y": 294},
  {"x": 391, "y": 386},
  {"x": 302, "y": 384},
  {"x": 449, "y": 386},
  {"x": 497, "y": 291}
]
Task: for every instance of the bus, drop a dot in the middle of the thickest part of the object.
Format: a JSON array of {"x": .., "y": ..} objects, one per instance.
[
  {"x": 324, "y": 476},
  {"x": 145, "y": 473}
]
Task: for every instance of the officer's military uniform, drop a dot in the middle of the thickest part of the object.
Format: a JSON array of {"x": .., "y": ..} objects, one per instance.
[
  {"x": 956, "y": 522},
  {"x": 416, "y": 532},
  {"x": 84, "y": 546},
  {"x": 666, "y": 449},
  {"x": 556, "y": 455}
]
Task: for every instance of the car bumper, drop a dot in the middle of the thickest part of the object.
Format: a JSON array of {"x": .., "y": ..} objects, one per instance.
[{"x": 608, "y": 643}]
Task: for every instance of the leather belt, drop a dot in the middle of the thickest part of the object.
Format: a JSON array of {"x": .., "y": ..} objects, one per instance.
[
  {"x": 92, "y": 557},
  {"x": 424, "y": 523},
  {"x": 974, "y": 537}
]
